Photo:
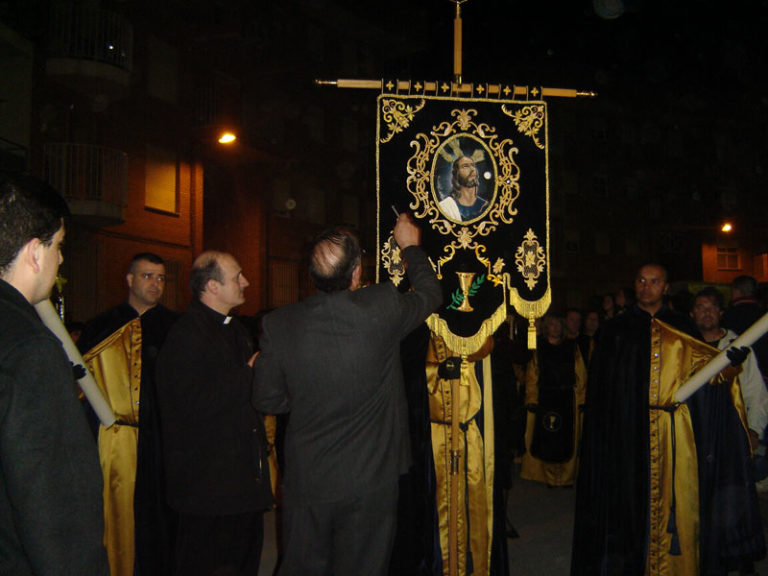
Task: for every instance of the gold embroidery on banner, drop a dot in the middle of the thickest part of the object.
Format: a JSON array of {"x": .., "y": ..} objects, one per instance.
[
  {"x": 398, "y": 115},
  {"x": 421, "y": 175},
  {"x": 494, "y": 271},
  {"x": 392, "y": 260},
  {"x": 530, "y": 259},
  {"x": 500, "y": 155},
  {"x": 468, "y": 286},
  {"x": 529, "y": 121}
]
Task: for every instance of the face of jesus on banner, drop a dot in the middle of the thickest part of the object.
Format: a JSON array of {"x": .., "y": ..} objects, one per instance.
[{"x": 463, "y": 180}]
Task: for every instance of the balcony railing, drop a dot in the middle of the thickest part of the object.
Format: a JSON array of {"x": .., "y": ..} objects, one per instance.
[
  {"x": 85, "y": 33},
  {"x": 93, "y": 179}
]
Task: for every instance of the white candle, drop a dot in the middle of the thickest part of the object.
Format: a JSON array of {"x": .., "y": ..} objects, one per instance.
[
  {"x": 721, "y": 361},
  {"x": 87, "y": 384}
]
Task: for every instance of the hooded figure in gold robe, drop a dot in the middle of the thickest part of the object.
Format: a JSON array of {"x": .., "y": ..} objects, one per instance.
[{"x": 555, "y": 390}]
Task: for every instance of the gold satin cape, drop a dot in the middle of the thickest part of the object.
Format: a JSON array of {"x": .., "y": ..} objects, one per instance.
[
  {"x": 553, "y": 473},
  {"x": 476, "y": 456},
  {"x": 675, "y": 356},
  {"x": 116, "y": 366}
]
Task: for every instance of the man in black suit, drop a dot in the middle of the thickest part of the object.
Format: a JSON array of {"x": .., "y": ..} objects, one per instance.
[
  {"x": 51, "y": 512},
  {"x": 333, "y": 361},
  {"x": 217, "y": 475}
]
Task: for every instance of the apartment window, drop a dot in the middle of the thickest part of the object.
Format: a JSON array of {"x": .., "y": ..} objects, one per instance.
[
  {"x": 160, "y": 180},
  {"x": 727, "y": 258}
]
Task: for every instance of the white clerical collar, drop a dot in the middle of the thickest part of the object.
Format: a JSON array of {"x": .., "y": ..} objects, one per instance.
[{"x": 228, "y": 319}]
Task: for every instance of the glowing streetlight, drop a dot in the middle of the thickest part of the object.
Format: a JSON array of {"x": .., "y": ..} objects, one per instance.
[
  {"x": 726, "y": 227},
  {"x": 227, "y": 138}
]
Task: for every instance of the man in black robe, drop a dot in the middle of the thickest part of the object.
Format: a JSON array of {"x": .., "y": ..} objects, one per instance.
[
  {"x": 621, "y": 494},
  {"x": 133, "y": 332}
]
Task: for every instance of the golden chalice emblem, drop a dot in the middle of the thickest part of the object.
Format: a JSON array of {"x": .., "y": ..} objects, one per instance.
[{"x": 465, "y": 283}]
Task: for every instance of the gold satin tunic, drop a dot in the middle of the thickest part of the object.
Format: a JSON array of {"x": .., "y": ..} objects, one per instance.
[
  {"x": 476, "y": 454},
  {"x": 116, "y": 366},
  {"x": 675, "y": 356}
]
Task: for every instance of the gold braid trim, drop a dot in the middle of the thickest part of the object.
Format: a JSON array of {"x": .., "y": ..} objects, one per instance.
[{"x": 465, "y": 346}]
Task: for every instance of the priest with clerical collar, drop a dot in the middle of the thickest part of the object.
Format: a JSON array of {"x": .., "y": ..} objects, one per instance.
[{"x": 215, "y": 446}]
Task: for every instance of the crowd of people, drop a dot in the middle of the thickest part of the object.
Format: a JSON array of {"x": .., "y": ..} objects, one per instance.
[{"x": 179, "y": 482}]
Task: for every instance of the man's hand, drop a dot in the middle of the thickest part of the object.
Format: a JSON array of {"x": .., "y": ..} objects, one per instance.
[
  {"x": 737, "y": 355},
  {"x": 406, "y": 232}
]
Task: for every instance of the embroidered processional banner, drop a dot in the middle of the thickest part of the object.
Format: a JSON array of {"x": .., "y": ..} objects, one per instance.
[{"x": 473, "y": 173}]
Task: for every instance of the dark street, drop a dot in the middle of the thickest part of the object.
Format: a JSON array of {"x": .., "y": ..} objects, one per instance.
[{"x": 542, "y": 516}]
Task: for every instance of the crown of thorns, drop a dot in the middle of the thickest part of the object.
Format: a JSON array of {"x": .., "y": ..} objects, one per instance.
[{"x": 456, "y": 152}]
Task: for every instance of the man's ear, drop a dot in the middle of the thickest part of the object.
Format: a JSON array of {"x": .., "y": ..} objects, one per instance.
[
  {"x": 129, "y": 279},
  {"x": 33, "y": 254},
  {"x": 212, "y": 286},
  {"x": 356, "y": 275}
]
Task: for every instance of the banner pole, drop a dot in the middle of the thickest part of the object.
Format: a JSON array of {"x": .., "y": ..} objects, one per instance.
[{"x": 457, "y": 48}]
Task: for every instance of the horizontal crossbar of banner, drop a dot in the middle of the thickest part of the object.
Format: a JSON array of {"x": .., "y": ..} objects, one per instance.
[{"x": 452, "y": 88}]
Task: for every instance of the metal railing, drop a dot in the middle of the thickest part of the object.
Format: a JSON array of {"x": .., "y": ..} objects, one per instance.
[
  {"x": 87, "y": 172},
  {"x": 91, "y": 34}
]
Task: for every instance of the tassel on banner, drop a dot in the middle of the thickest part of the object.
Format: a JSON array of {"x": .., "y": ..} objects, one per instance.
[{"x": 531, "y": 334}]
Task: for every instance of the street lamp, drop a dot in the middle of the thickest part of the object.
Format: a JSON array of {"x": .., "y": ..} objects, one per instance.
[{"x": 227, "y": 138}]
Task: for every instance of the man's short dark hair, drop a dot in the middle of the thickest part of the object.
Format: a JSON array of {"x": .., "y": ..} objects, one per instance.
[
  {"x": 746, "y": 285},
  {"x": 29, "y": 209},
  {"x": 333, "y": 258},
  {"x": 200, "y": 274},
  {"x": 145, "y": 257},
  {"x": 713, "y": 293}
]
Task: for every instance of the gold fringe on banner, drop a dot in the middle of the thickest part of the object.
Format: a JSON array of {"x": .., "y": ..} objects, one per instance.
[
  {"x": 463, "y": 346},
  {"x": 531, "y": 310}
]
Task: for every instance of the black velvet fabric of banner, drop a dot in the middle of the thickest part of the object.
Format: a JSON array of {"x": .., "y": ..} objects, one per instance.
[{"x": 420, "y": 137}]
